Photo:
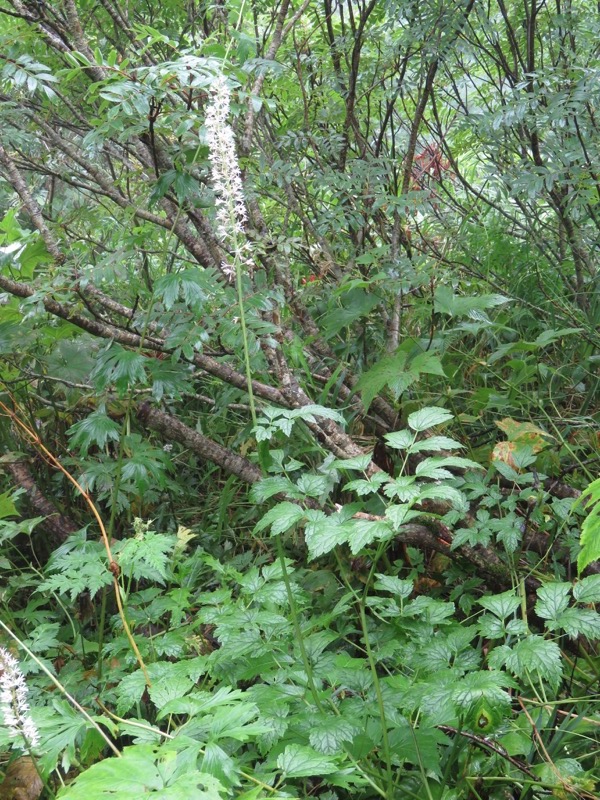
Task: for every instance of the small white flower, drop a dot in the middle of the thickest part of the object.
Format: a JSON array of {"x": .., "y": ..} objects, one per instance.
[
  {"x": 226, "y": 174},
  {"x": 167, "y": 448},
  {"x": 13, "y": 701}
]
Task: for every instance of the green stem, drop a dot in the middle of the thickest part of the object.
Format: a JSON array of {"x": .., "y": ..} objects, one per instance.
[
  {"x": 296, "y": 624},
  {"x": 240, "y": 294},
  {"x": 386, "y": 742}
]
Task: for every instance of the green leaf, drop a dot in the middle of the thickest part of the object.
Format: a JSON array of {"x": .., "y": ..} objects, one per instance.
[
  {"x": 501, "y": 605},
  {"x": 145, "y": 772},
  {"x": 380, "y": 375},
  {"x": 400, "y": 440},
  {"x": 268, "y": 487},
  {"x": 427, "y": 363},
  {"x": 357, "y": 462},
  {"x": 328, "y": 732},
  {"x": 435, "y": 467},
  {"x": 280, "y": 518},
  {"x": 7, "y": 506},
  {"x": 552, "y": 600},
  {"x": 439, "y": 491},
  {"x": 400, "y": 514},
  {"x": 363, "y": 531},
  {"x": 96, "y": 429},
  {"x": 577, "y": 622},
  {"x": 396, "y": 586},
  {"x": 587, "y": 590},
  {"x": 322, "y": 532},
  {"x": 298, "y": 761},
  {"x": 435, "y": 443},
  {"x": 418, "y": 746},
  {"x": 428, "y": 417},
  {"x": 590, "y": 528},
  {"x": 486, "y": 685},
  {"x": 446, "y": 302},
  {"x": 119, "y": 367},
  {"x": 364, "y": 486},
  {"x": 530, "y": 657}
]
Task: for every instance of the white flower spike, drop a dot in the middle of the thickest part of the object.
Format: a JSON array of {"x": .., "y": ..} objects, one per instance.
[
  {"x": 13, "y": 701},
  {"x": 226, "y": 174}
]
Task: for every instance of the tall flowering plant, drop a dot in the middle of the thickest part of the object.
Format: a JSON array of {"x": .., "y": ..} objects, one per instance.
[
  {"x": 13, "y": 702},
  {"x": 230, "y": 203},
  {"x": 226, "y": 176}
]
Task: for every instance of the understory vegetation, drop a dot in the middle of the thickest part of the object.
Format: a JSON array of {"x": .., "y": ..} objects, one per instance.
[{"x": 299, "y": 400}]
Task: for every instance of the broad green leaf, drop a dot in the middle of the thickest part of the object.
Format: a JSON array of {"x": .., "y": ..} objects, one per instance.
[
  {"x": 268, "y": 487},
  {"x": 435, "y": 443},
  {"x": 400, "y": 514},
  {"x": 428, "y": 417},
  {"x": 501, "y": 605},
  {"x": 396, "y": 586},
  {"x": 417, "y": 746},
  {"x": 427, "y": 363},
  {"x": 280, "y": 518},
  {"x": 322, "y": 532},
  {"x": 433, "y": 463},
  {"x": 379, "y": 376},
  {"x": 400, "y": 440},
  {"x": 590, "y": 528},
  {"x": 328, "y": 733},
  {"x": 144, "y": 772},
  {"x": 96, "y": 429},
  {"x": 7, "y": 506},
  {"x": 577, "y": 622},
  {"x": 439, "y": 491},
  {"x": 363, "y": 531},
  {"x": 531, "y": 657},
  {"x": 298, "y": 761},
  {"x": 587, "y": 590},
  {"x": 357, "y": 462},
  {"x": 552, "y": 600},
  {"x": 446, "y": 302}
]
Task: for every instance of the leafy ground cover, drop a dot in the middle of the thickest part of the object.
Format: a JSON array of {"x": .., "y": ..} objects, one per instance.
[{"x": 299, "y": 400}]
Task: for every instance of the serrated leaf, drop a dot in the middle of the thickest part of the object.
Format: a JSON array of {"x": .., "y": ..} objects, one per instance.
[
  {"x": 363, "y": 531},
  {"x": 314, "y": 410},
  {"x": 145, "y": 771},
  {"x": 328, "y": 732},
  {"x": 404, "y": 488},
  {"x": 375, "y": 379},
  {"x": 532, "y": 655},
  {"x": 268, "y": 487},
  {"x": 435, "y": 491},
  {"x": 417, "y": 746},
  {"x": 96, "y": 429},
  {"x": 587, "y": 590},
  {"x": 322, "y": 533},
  {"x": 577, "y": 622},
  {"x": 357, "y": 462},
  {"x": 590, "y": 528},
  {"x": 552, "y": 600},
  {"x": 428, "y": 417},
  {"x": 427, "y": 363},
  {"x": 298, "y": 761},
  {"x": 400, "y": 440},
  {"x": 396, "y": 586},
  {"x": 364, "y": 486},
  {"x": 400, "y": 514},
  {"x": 280, "y": 518},
  {"x": 429, "y": 467},
  {"x": 436, "y": 443},
  {"x": 501, "y": 605}
]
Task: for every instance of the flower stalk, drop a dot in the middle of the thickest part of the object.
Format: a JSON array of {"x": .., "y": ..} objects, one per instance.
[
  {"x": 13, "y": 702},
  {"x": 230, "y": 204}
]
